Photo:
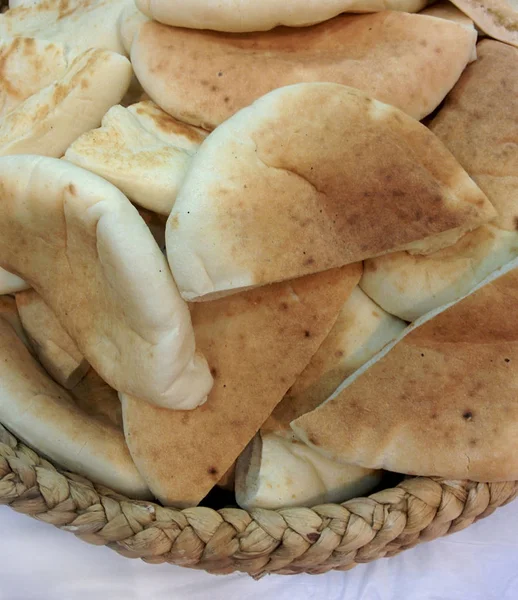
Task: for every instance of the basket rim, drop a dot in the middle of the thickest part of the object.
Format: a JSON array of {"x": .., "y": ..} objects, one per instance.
[{"x": 285, "y": 541}]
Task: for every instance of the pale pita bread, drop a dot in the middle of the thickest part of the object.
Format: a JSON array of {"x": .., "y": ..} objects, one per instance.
[
  {"x": 409, "y": 61},
  {"x": 441, "y": 402},
  {"x": 142, "y": 150},
  {"x": 50, "y": 120},
  {"x": 55, "y": 349},
  {"x": 10, "y": 283},
  {"x": 250, "y": 15},
  {"x": 256, "y": 344},
  {"x": 83, "y": 247},
  {"x": 44, "y": 416},
  {"x": 279, "y": 472},
  {"x": 411, "y": 286},
  {"x": 26, "y": 66},
  {"x": 130, "y": 21},
  {"x": 82, "y": 24},
  {"x": 264, "y": 199},
  {"x": 497, "y": 18}
]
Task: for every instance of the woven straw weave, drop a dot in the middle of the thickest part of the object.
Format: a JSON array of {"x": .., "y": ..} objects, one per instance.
[{"x": 289, "y": 541}]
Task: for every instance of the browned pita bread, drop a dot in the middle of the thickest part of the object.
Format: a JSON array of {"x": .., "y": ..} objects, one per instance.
[
  {"x": 256, "y": 344},
  {"x": 95, "y": 397},
  {"x": 310, "y": 177},
  {"x": 203, "y": 77},
  {"x": 443, "y": 401},
  {"x": 478, "y": 125},
  {"x": 497, "y": 18}
]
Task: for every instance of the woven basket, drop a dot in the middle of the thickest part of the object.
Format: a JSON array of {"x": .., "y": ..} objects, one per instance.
[{"x": 289, "y": 541}]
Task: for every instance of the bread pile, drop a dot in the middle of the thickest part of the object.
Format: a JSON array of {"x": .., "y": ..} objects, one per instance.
[{"x": 266, "y": 246}]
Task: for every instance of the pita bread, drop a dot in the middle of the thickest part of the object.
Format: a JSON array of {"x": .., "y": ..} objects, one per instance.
[
  {"x": 9, "y": 313},
  {"x": 95, "y": 397},
  {"x": 409, "y": 61},
  {"x": 264, "y": 199},
  {"x": 228, "y": 481},
  {"x": 446, "y": 10},
  {"x": 248, "y": 15},
  {"x": 26, "y": 66},
  {"x": 142, "y": 150},
  {"x": 156, "y": 224},
  {"x": 93, "y": 260},
  {"x": 278, "y": 472},
  {"x": 82, "y": 24},
  {"x": 441, "y": 402},
  {"x": 361, "y": 331},
  {"x": 50, "y": 120},
  {"x": 55, "y": 349},
  {"x": 477, "y": 125},
  {"x": 497, "y": 18},
  {"x": 9, "y": 283},
  {"x": 256, "y": 344},
  {"x": 411, "y": 286},
  {"x": 44, "y": 416},
  {"x": 130, "y": 21}
]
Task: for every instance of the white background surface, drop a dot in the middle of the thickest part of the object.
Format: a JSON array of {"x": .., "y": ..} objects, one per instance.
[{"x": 39, "y": 562}]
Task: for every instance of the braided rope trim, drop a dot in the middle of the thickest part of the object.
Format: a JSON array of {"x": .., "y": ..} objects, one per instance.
[{"x": 288, "y": 541}]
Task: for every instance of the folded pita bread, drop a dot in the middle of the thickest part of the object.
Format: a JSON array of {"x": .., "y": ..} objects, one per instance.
[
  {"x": 276, "y": 471},
  {"x": 27, "y": 66},
  {"x": 50, "y": 120},
  {"x": 441, "y": 402},
  {"x": 142, "y": 150},
  {"x": 256, "y": 344},
  {"x": 248, "y": 15},
  {"x": 156, "y": 224},
  {"x": 409, "y": 61},
  {"x": 446, "y": 10},
  {"x": 84, "y": 248},
  {"x": 264, "y": 199},
  {"x": 478, "y": 126},
  {"x": 43, "y": 415},
  {"x": 477, "y": 123},
  {"x": 497, "y": 18},
  {"x": 83, "y": 24},
  {"x": 10, "y": 283},
  {"x": 361, "y": 331},
  {"x": 411, "y": 286},
  {"x": 55, "y": 349}
]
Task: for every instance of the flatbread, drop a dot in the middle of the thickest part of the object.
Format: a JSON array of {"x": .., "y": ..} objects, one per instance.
[
  {"x": 256, "y": 344},
  {"x": 50, "y": 120},
  {"x": 278, "y": 472},
  {"x": 26, "y": 66},
  {"x": 203, "y": 78},
  {"x": 249, "y": 15},
  {"x": 44, "y": 416},
  {"x": 9, "y": 313},
  {"x": 410, "y": 286},
  {"x": 54, "y": 348},
  {"x": 497, "y": 18},
  {"x": 442, "y": 402},
  {"x": 361, "y": 331},
  {"x": 84, "y": 248},
  {"x": 82, "y": 24},
  {"x": 130, "y": 21},
  {"x": 310, "y": 177},
  {"x": 142, "y": 150},
  {"x": 477, "y": 124},
  {"x": 9, "y": 283}
]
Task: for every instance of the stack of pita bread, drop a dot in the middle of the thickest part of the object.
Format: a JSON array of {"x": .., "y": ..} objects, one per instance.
[{"x": 270, "y": 247}]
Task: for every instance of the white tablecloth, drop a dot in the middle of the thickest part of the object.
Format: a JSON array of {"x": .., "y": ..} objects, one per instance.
[{"x": 39, "y": 562}]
